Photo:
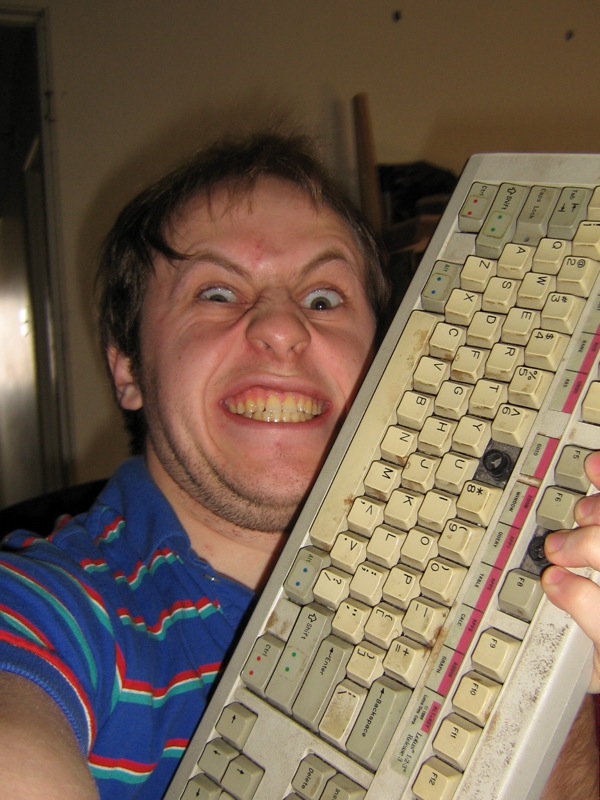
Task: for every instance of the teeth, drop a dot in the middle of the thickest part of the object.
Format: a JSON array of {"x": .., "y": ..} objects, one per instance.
[{"x": 291, "y": 409}]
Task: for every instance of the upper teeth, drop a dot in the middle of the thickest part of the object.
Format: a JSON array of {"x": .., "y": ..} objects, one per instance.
[{"x": 273, "y": 409}]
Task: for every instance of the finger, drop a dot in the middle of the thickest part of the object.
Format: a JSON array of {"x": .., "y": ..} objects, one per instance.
[
  {"x": 577, "y": 548},
  {"x": 592, "y": 468},
  {"x": 587, "y": 510},
  {"x": 580, "y": 598}
]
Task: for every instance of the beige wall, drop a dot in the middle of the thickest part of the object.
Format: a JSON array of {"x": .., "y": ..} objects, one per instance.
[{"x": 138, "y": 83}]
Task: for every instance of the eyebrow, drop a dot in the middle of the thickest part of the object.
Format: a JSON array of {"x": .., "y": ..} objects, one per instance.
[{"x": 218, "y": 259}]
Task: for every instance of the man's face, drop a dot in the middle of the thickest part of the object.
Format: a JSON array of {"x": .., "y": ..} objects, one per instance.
[{"x": 251, "y": 352}]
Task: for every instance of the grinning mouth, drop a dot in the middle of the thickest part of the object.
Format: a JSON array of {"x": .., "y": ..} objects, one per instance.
[{"x": 272, "y": 408}]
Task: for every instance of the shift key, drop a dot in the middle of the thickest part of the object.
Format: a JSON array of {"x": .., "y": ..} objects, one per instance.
[{"x": 312, "y": 626}]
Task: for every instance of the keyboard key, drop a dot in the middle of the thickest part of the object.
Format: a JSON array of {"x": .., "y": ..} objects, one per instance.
[
  {"x": 332, "y": 586},
  {"x": 367, "y": 583},
  {"x": 454, "y": 471},
  {"x": 242, "y": 778},
  {"x": 405, "y": 660},
  {"x": 529, "y": 387},
  {"x": 472, "y": 436},
  {"x": 535, "y": 290},
  {"x": 382, "y": 478},
  {"x": 586, "y": 242},
  {"x": 384, "y": 625},
  {"x": 200, "y": 787},
  {"x": 460, "y": 541},
  {"x": 485, "y": 329},
  {"x": 512, "y": 424},
  {"x": 519, "y": 324},
  {"x": 419, "y": 473},
  {"x": 402, "y": 585},
  {"x": 435, "y": 437},
  {"x": 461, "y": 307},
  {"x": 456, "y": 740},
  {"x": 377, "y": 721},
  {"x": 494, "y": 654},
  {"x": 475, "y": 697},
  {"x": 561, "y": 312},
  {"x": 216, "y": 757},
  {"x": 556, "y": 508},
  {"x": 403, "y": 508},
  {"x": 446, "y": 339},
  {"x": 348, "y": 551},
  {"x": 304, "y": 572},
  {"x": 340, "y": 787},
  {"x": 520, "y": 594},
  {"x": 365, "y": 515},
  {"x": 365, "y": 664},
  {"x": 590, "y": 410},
  {"x": 385, "y": 545},
  {"x": 569, "y": 212},
  {"x": 476, "y": 207},
  {"x": 423, "y": 620},
  {"x": 397, "y": 444},
  {"x": 503, "y": 360},
  {"x": 570, "y": 469},
  {"x": 436, "y": 780},
  {"x": 577, "y": 276},
  {"x": 453, "y": 400},
  {"x": 350, "y": 620},
  {"x": 311, "y": 777},
  {"x": 500, "y": 295},
  {"x": 516, "y": 261},
  {"x": 500, "y": 224},
  {"x": 487, "y": 398},
  {"x": 236, "y": 723},
  {"x": 545, "y": 349},
  {"x": 469, "y": 364},
  {"x": 261, "y": 662},
  {"x": 550, "y": 254},
  {"x": 476, "y": 273},
  {"x": 477, "y": 502},
  {"x": 342, "y": 712},
  {"x": 430, "y": 374},
  {"x": 533, "y": 220},
  {"x": 441, "y": 580},
  {"x": 326, "y": 671}
]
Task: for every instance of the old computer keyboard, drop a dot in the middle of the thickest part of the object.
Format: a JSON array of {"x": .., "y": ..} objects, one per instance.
[{"x": 403, "y": 647}]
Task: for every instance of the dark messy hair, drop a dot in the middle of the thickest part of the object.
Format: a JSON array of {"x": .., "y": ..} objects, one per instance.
[{"x": 142, "y": 230}]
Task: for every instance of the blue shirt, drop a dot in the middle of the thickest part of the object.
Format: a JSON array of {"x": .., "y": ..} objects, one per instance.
[{"x": 119, "y": 621}]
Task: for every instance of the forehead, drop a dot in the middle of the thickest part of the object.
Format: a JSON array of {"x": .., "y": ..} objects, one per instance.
[{"x": 272, "y": 212}]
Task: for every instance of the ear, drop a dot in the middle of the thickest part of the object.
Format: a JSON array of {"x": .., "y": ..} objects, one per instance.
[{"x": 127, "y": 389}]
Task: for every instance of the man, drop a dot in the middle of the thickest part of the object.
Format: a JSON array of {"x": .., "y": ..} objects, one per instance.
[{"x": 239, "y": 308}]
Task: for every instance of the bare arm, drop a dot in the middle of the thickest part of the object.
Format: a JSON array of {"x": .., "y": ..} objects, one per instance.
[
  {"x": 39, "y": 756},
  {"x": 575, "y": 774}
]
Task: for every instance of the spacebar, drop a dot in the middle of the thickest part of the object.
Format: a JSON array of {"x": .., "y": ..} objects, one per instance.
[{"x": 380, "y": 413}]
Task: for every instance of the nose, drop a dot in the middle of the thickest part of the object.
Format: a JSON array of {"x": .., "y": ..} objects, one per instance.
[{"x": 278, "y": 326}]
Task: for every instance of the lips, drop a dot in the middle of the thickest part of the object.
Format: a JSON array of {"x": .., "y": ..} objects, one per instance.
[{"x": 272, "y": 407}]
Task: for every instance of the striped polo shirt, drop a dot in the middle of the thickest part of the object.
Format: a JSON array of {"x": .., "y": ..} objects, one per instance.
[{"x": 124, "y": 626}]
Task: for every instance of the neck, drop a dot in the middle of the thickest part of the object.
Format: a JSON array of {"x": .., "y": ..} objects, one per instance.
[{"x": 245, "y": 555}]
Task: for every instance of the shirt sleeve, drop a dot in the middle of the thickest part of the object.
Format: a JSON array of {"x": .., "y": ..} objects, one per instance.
[{"x": 56, "y": 632}]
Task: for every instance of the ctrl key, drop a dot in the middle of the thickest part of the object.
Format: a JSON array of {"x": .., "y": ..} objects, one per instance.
[
  {"x": 261, "y": 662},
  {"x": 436, "y": 780}
]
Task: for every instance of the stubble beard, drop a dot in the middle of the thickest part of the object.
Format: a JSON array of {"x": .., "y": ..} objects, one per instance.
[{"x": 244, "y": 504}]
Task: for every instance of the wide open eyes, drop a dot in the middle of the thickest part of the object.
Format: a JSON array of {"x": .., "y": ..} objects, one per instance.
[
  {"x": 218, "y": 294},
  {"x": 321, "y": 300}
]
